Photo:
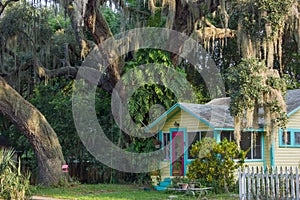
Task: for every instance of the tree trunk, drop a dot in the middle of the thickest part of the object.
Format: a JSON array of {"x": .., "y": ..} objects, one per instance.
[
  {"x": 97, "y": 24},
  {"x": 35, "y": 127}
]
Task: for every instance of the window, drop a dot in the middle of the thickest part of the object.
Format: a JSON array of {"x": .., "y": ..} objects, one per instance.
[
  {"x": 166, "y": 145},
  {"x": 290, "y": 138},
  {"x": 252, "y": 140},
  {"x": 286, "y": 138},
  {"x": 228, "y": 135},
  {"x": 297, "y": 138},
  {"x": 196, "y": 136}
]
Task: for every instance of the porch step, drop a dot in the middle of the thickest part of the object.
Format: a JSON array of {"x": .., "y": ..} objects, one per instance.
[
  {"x": 159, "y": 188},
  {"x": 167, "y": 180},
  {"x": 163, "y": 184}
]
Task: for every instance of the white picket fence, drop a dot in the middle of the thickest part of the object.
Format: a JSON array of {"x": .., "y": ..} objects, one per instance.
[{"x": 274, "y": 183}]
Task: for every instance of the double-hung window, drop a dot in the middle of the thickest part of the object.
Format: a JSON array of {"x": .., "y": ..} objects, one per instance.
[
  {"x": 166, "y": 145},
  {"x": 196, "y": 136},
  {"x": 251, "y": 141},
  {"x": 289, "y": 138}
]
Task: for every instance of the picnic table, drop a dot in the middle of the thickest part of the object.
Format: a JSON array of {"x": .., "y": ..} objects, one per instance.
[{"x": 201, "y": 191}]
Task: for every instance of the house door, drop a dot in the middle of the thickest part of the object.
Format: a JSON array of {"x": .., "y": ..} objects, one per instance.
[{"x": 177, "y": 153}]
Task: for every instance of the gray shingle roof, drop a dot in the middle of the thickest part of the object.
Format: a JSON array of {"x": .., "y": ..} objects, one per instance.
[
  {"x": 292, "y": 100},
  {"x": 216, "y": 115},
  {"x": 216, "y": 112}
]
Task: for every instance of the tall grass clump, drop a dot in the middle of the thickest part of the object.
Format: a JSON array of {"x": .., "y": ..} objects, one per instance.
[{"x": 13, "y": 184}]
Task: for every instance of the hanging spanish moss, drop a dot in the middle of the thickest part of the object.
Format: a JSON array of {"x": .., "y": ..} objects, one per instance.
[
  {"x": 261, "y": 27},
  {"x": 260, "y": 31},
  {"x": 155, "y": 6},
  {"x": 257, "y": 98},
  {"x": 293, "y": 23}
]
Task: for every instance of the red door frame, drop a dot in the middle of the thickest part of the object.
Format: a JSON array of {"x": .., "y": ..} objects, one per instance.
[{"x": 178, "y": 134}]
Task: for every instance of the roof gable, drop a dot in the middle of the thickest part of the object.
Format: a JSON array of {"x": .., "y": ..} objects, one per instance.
[
  {"x": 215, "y": 113},
  {"x": 162, "y": 117},
  {"x": 215, "y": 116}
]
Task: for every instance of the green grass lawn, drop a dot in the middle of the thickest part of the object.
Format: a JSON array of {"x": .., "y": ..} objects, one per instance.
[{"x": 111, "y": 192}]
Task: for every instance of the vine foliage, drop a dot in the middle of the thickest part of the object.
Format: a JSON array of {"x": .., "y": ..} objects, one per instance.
[{"x": 257, "y": 98}]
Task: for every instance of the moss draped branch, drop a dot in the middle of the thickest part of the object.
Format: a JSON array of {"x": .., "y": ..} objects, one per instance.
[
  {"x": 253, "y": 88},
  {"x": 3, "y": 6}
]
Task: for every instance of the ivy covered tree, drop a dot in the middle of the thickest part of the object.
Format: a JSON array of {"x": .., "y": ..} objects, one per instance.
[
  {"x": 257, "y": 83},
  {"x": 254, "y": 87}
]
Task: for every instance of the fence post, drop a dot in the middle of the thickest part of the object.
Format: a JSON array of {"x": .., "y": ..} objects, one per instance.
[
  {"x": 248, "y": 176},
  {"x": 286, "y": 183},
  {"x": 292, "y": 182},
  {"x": 242, "y": 184},
  {"x": 272, "y": 191},
  {"x": 297, "y": 184},
  {"x": 253, "y": 187},
  {"x": 258, "y": 183},
  {"x": 263, "y": 186},
  {"x": 267, "y": 184},
  {"x": 277, "y": 192},
  {"x": 282, "y": 183}
]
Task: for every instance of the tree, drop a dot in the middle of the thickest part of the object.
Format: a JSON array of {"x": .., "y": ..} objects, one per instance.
[
  {"x": 253, "y": 29},
  {"x": 255, "y": 82},
  {"x": 36, "y": 128},
  {"x": 253, "y": 86}
]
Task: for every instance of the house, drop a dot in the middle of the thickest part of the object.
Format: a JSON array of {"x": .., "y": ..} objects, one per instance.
[{"x": 184, "y": 124}]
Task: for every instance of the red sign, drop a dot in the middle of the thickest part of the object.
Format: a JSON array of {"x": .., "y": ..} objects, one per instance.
[{"x": 65, "y": 168}]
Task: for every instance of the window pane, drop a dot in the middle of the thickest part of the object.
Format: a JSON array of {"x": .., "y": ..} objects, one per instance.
[
  {"x": 193, "y": 137},
  {"x": 286, "y": 138},
  {"x": 246, "y": 143},
  {"x": 228, "y": 135},
  {"x": 252, "y": 142},
  {"x": 257, "y": 154},
  {"x": 166, "y": 144},
  {"x": 254, "y": 146},
  {"x": 297, "y": 138}
]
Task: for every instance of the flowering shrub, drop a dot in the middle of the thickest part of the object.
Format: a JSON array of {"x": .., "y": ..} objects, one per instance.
[{"x": 214, "y": 163}]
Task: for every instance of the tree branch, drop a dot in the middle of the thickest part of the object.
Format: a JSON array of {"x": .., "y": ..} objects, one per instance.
[
  {"x": 136, "y": 11},
  {"x": 3, "y": 6},
  {"x": 63, "y": 71},
  {"x": 122, "y": 4},
  {"x": 98, "y": 26},
  {"x": 12, "y": 54},
  {"x": 214, "y": 33}
]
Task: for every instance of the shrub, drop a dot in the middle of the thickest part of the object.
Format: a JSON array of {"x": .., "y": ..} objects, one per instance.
[
  {"x": 13, "y": 185},
  {"x": 214, "y": 164}
]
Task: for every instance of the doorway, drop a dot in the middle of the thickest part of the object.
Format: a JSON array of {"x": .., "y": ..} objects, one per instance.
[{"x": 177, "y": 158}]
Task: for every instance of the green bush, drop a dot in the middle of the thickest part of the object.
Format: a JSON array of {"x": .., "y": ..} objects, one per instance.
[
  {"x": 214, "y": 165},
  {"x": 13, "y": 185}
]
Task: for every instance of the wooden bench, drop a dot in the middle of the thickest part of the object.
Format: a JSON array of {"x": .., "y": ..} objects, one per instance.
[{"x": 200, "y": 190}]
